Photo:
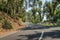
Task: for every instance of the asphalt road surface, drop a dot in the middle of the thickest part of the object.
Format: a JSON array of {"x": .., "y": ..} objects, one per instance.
[{"x": 33, "y": 32}]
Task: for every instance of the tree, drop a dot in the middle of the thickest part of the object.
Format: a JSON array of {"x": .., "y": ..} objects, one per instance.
[
  {"x": 39, "y": 9},
  {"x": 50, "y": 9},
  {"x": 36, "y": 8}
]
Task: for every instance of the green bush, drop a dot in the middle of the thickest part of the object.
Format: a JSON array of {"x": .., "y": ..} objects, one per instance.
[{"x": 7, "y": 25}]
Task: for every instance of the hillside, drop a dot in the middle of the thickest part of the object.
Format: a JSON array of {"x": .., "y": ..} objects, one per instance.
[{"x": 16, "y": 24}]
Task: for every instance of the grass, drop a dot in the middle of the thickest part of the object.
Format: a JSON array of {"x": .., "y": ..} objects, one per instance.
[
  {"x": 7, "y": 25},
  {"x": 49, "y": 24}
]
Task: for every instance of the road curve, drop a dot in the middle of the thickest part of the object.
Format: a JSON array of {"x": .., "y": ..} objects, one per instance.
[{"x": 34, "y": 33}]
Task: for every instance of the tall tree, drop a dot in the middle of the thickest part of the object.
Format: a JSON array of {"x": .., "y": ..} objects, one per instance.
[
  {"x": 50, "y": 8},
  {"x": 39, "y": 9}
]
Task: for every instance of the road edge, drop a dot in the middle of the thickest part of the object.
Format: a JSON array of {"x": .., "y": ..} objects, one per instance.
[{"x": 8, "y": 34}]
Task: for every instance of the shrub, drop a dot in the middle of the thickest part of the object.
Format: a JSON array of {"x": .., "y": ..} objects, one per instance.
[{"x": 7, "y": 25}]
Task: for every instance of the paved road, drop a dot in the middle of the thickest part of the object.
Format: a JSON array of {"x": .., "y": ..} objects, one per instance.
[{"x": 33, "y": 32}]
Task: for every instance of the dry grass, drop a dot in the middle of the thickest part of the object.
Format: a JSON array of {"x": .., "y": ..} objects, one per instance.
[{"x": 16, "y": 24}]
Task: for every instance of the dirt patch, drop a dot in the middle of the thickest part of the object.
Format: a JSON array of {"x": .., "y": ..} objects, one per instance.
[{"x": 5, "y": 32}]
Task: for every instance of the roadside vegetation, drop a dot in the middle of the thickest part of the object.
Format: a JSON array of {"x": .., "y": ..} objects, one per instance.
[
  {"x": 50, "y": 24},
  {"x": 13, "y": 13},
  {"x": 10, "y": 15},
  {"x": 49, "y": 14}
]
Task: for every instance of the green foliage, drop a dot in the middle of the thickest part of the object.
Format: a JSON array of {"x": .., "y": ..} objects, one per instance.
[
  {"x": 15, "y": 7},
  {"x": 52, "y": 10},
  {"x": 7, "y": 25}
]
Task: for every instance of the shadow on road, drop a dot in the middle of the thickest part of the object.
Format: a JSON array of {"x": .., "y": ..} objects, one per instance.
[
  {"x": 52, "y": 34},
  {"x": 33, "y": 27},
  {"x": 32, "y": 36}
]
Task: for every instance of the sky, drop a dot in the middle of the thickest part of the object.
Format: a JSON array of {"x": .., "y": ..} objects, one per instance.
[{"x": 43, "y": 1}]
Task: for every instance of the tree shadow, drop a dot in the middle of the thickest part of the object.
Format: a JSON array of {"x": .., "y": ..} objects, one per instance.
[
  {"x": 31, "y": 36},
  {"x": 52, "y": 34},
  {"x": 34, "y": 27}
]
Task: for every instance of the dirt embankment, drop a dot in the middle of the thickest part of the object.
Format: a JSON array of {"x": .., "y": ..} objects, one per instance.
[{"x": 16, "y": 24}]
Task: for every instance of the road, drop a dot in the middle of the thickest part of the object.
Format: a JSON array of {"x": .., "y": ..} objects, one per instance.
[{"x": 33, "y": 32}]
